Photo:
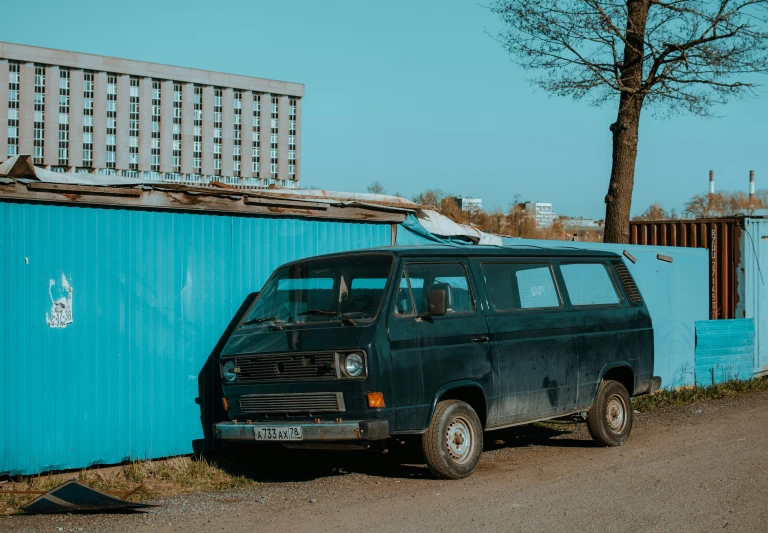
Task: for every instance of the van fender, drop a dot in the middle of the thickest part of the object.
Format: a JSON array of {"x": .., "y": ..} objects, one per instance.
[
  {"x": 611, "y": 366},
  {"x": 464, "y": 383}
]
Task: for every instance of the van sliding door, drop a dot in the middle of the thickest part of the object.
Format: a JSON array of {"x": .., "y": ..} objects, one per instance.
[{"x": 533, "y": 342}]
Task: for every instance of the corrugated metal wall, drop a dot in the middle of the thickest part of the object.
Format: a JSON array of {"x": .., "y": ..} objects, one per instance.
[
  {"x": 723, "y": 239},
  {"x": 725, "y": 350},
  {"x": 753, "y": 276},
  {"x": 152, "y": 293},
  {"x": 676, "y": 295}
]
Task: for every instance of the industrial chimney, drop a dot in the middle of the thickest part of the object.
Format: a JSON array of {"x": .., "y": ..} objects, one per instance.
[
  {"x": 711, "y": 182},
  {"x": 751, "y": 186}
]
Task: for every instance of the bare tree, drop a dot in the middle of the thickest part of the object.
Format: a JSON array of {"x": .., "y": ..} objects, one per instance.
[
  {"x": 721, "y": 204},
  {"x": 430, "y": 197},
  {"x": 674, "y": 55},
  {"x": 376, "y": 187},
  {"x": 655, "y": 212}
]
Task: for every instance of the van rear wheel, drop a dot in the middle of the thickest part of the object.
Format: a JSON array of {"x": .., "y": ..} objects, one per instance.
[
  {"x": 610, "y": 418},
  {"x": 454, "y": 441}
]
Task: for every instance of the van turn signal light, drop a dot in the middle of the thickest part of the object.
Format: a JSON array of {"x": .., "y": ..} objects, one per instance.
[
  {"x": 226, "y": 404},
  {"x": 375, "y": 400}
]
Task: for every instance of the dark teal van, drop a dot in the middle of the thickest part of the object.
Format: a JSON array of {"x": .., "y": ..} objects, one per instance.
[{"x": 441, "y": 342}]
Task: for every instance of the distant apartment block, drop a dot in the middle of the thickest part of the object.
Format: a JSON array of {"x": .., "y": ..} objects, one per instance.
[
  {"x": 542, "y": 212},
  {"x": 469, "y": 204},
  {"x": 85, "y": 113},
  {"x": 581, "y": 222}
]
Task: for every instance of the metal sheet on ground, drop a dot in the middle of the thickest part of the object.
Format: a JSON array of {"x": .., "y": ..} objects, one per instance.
[{"x": 74, "y": 497}]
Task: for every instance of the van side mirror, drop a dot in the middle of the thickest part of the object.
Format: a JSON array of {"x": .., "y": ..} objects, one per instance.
[{"x": 436, "y": 302}]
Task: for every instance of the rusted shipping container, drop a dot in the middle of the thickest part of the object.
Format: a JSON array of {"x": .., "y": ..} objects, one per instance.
[{"x": 721, "y": 236}]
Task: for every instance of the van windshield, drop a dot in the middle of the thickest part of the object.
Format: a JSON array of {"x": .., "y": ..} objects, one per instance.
[{"x": 343, "y": 289}]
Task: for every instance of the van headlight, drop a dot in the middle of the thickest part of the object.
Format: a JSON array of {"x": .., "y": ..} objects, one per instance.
[
  {"x": 228, "y": 370},
  {"x": 354, "y": 365}
]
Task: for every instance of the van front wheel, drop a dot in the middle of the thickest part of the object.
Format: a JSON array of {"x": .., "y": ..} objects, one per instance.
[
  {"x": 454, "y": 441},
  {"x": 610, "y": 418}
]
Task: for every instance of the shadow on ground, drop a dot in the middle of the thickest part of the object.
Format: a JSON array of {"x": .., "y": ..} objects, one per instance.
[{"x": 403, "y": 460}]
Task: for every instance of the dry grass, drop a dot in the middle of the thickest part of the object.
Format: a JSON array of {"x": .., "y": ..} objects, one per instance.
[
  {"x": 687, "y": 395},
  {"x": 165, "y": 477}
]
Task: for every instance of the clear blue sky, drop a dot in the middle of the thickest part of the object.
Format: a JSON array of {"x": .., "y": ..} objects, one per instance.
[{"x": 416, "y": 95}]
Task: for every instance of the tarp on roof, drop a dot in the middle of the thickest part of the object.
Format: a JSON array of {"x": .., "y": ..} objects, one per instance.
[
  {"x": 443, "y": 226},
  {"x": 21, "y": 167},
  {"x": 438, "y": 229}
]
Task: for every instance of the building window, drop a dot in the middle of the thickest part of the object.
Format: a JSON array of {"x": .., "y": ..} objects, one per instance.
[
  {"x": 39, "y": 120},
  {"x": 111, "y": 120},
  {"x": 236, "y": 140},
  {"x": 64, "y": 117},
  {"x": 13, "y": 109},
  {"x": 255, "y": 137},
  {"x": 292, "y": 137},
  {"x": 87, "y": 119},
  {"x": 197, "y": 144},
  {"x": 133, "y": 130},
  {"x": 217, "y": 110},
  {"x": 274, "y": 135},
  {"x": 155, "y": 156},
  {"x": 177, "y": 102}
]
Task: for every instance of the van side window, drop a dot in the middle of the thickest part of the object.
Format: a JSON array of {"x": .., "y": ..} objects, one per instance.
[
  {"x": 589, "y": 284},
  {"x": 450, "y": 277},
  {"x": 520, "y": 285}
]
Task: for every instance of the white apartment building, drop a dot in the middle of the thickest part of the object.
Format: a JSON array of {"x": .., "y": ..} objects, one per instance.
[{"x": 542, "y": 212}]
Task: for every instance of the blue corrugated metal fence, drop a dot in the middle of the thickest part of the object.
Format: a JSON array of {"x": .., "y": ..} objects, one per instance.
[
  {"x": 725, "y": 350},
  {"x": 151, "y": 294}
]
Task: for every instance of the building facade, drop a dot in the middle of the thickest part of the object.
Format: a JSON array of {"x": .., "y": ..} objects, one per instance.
[
  {"x": 469, "y": 205},
  {"x": 542, "y": 212},
  {"x": 84, "y": 113},
  {"x": 581, "y": 222}
]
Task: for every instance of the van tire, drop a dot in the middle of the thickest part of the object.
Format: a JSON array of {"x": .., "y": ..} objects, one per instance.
[
  {"x": 454, "y": 440},
  {"x": 610, "y": 418}
]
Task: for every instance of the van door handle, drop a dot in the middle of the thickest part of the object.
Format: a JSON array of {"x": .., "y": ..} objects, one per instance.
[{"x": 480, "y": 338}]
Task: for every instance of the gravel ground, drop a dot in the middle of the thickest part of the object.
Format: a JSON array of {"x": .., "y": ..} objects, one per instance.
[{"x": 699, "y": 467}]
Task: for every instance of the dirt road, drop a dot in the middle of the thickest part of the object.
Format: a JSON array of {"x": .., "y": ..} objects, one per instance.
[{"x": 696, "y": 468}]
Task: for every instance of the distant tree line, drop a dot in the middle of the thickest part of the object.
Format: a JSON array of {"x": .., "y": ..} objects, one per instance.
[
  {"x": 515, "y": 222},
  {"x": 719, "y": 204}
]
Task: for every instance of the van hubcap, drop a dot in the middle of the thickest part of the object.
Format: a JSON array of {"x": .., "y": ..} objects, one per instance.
[
  {"x": 616, "y": 414},
  {"x": 459, "y": 440}
]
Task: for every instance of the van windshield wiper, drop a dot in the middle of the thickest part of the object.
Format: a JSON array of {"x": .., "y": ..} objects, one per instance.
[
  {"x": 323, "y": 312},
  {"x": 275, "y": 322}
]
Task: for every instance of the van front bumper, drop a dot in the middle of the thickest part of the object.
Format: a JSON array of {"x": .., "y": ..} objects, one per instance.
[{"x": 324, "y": 431}]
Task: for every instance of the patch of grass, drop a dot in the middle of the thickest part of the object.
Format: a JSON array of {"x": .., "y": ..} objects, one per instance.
[
  {"x": 687, "y": 395},
  {"x": 165, "y": 477}
]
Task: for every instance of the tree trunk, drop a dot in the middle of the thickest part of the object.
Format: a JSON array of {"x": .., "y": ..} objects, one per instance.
[{"x": 618, "y": 201}]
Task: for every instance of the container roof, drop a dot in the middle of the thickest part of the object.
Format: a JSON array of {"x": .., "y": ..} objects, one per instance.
[{"x": 21, "y": 181}]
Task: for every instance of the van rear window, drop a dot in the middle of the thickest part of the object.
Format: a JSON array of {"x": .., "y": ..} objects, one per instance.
[
  {"x": 589, "y": 284},
  {"x": 520, "y": 285}
]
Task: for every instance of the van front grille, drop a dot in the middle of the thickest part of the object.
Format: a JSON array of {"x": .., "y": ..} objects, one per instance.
[
  {"x": 286, "y": 367},
  {"x": 629, "y": 284},
  {"x": 309, "y": 403}
]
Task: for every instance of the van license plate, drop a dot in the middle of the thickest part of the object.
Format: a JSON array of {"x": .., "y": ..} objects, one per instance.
[{"x": 277, "y": 433}]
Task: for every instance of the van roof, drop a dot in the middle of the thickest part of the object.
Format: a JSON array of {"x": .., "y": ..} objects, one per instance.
[{"x": 485, "y": 251}]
